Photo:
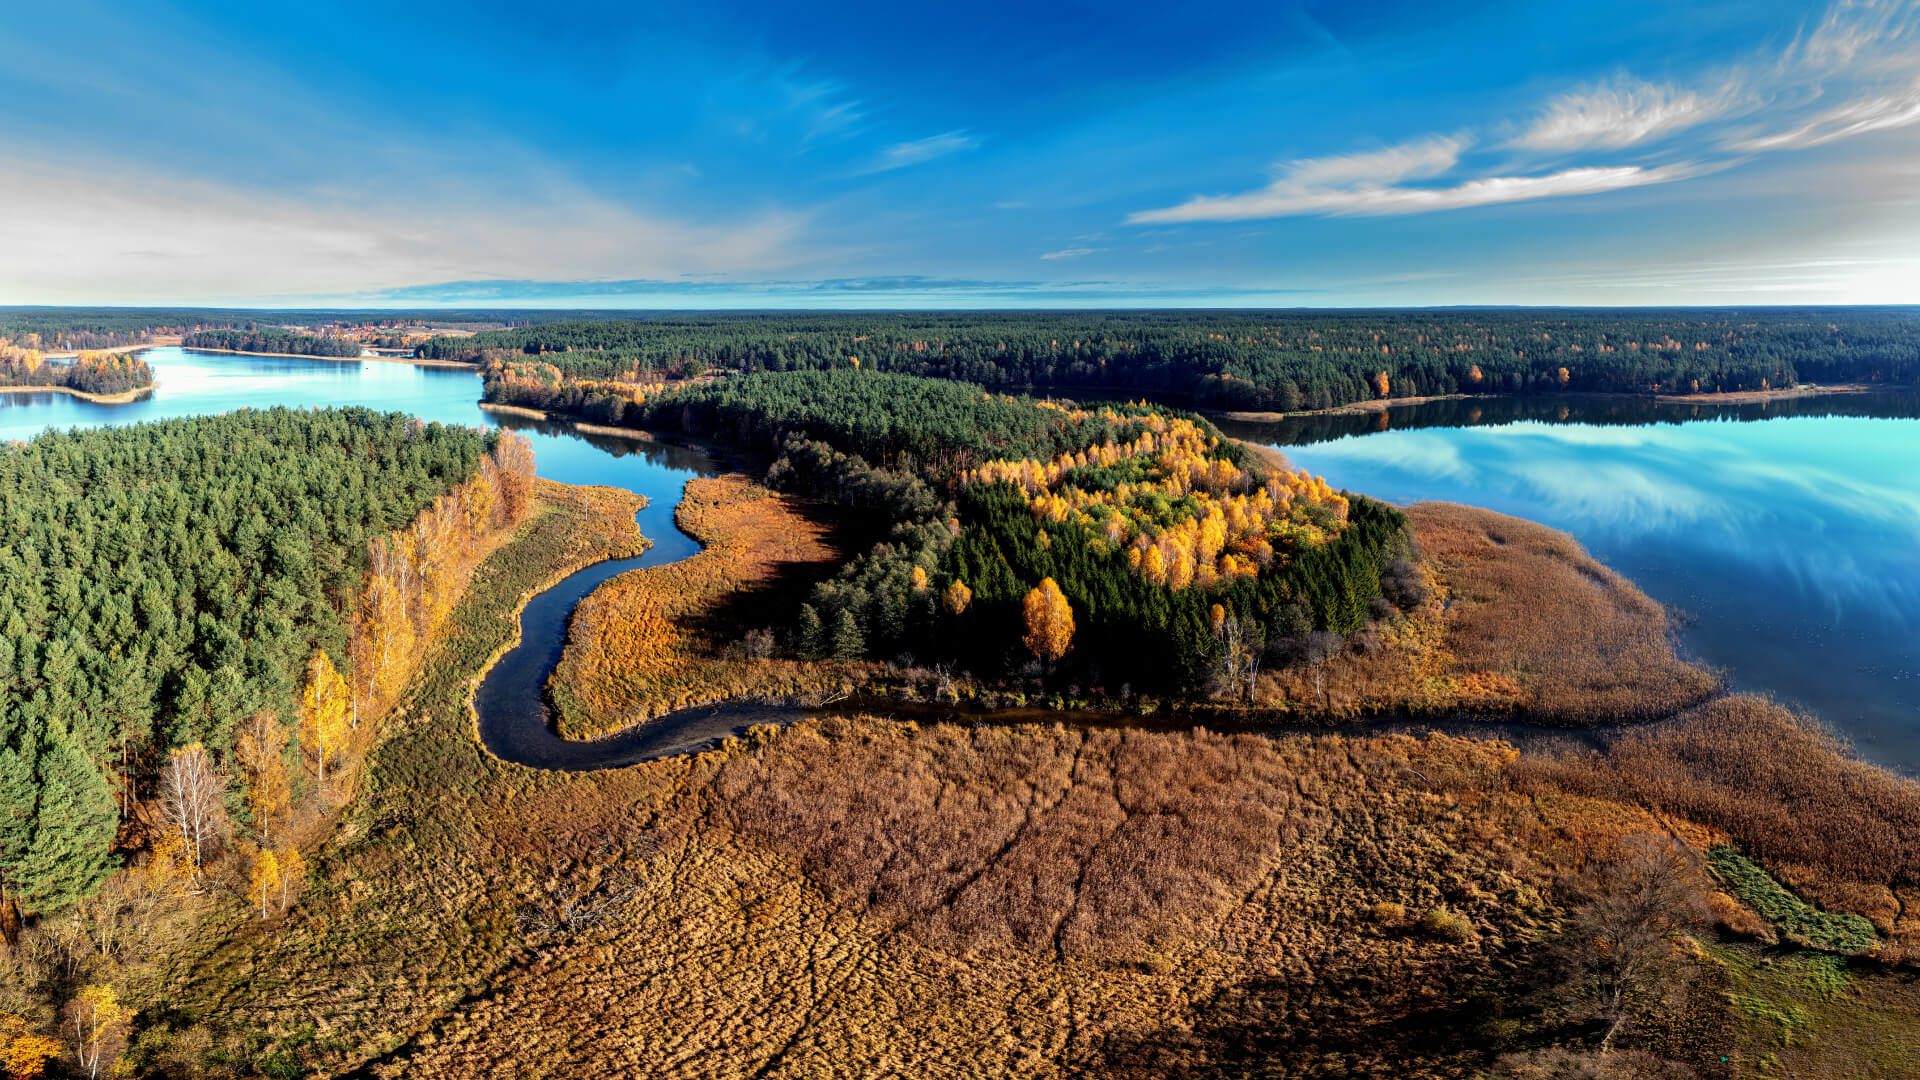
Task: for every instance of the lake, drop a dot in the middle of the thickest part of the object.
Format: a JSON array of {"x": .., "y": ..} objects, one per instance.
[{"x": 1788, "y": 535}]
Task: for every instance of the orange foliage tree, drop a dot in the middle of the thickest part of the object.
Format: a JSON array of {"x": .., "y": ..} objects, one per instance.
[
  {"x": 24, "y": 1053},
  {"x": 1380, "y": 383},
  {"x": 1049, "y": 621},
  {"x": 323, "y": 710}
]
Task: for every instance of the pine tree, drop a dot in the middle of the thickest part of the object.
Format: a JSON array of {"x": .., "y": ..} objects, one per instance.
[
  {"x": 847, "y": 643},
  {"x": 67, "y": 852},
  {"x": 810, "y": 638}
]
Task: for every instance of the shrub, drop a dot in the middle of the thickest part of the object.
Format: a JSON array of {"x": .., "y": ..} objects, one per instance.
[
  {"x": 1444, "y": 924},
  {"x": 1801, "y": 922}
]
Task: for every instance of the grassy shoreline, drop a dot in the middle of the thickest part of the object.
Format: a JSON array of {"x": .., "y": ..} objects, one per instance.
[
  {"x": 1730, "y": 397},
  {"x": 124, "y": 397}
]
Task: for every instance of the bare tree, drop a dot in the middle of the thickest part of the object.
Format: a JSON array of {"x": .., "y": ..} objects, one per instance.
[
  {"x": 1619, "y": 947},
  {"x": 1241, "y": 645},
  {"x": 1311, "y": 650},
  {"x": 191, "y": 801}
]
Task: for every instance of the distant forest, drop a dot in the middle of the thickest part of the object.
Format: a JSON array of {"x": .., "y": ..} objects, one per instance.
[
  {"x": 267, "y": 340},
  {"x": 1254, "y": 360}
]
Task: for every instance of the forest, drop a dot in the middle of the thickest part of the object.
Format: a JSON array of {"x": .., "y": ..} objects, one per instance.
[
  {"x": 1136, "y": 531},
  {"x": 1254, "y": 360},
  {"x": 272, "y": 340},
  {"x": 90, "y": 372},
  {"x": 184, "y": 591}
]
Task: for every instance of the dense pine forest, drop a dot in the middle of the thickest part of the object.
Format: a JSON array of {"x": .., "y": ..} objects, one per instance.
[
  {"x": 267, "y": 340},
  {"x": 164, "y": 586},
  {"x": 1171, "y": 554},
  {"x": 1266, "y": 360}
]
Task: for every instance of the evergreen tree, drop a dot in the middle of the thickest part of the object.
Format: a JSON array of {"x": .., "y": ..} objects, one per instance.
[
  {"x": 67, "y": 854},
  {"x": 848, "y": 643}
]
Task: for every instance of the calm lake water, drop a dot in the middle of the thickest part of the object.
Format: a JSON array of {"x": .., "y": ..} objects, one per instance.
[
  {"x": 1789, "y": 540},
  {"x": 1789, "y": 535}
]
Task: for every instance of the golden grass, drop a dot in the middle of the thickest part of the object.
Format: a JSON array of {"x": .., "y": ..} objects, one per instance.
[
  {"x": 1517, "y": 618},
  {"x": 1527, "y": 603},
  {"x": 654, "y": 640}
]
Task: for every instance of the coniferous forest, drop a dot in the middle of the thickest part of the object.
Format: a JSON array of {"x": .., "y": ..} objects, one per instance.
[
  {"x": 163, "y": 583},
  {"x": 269, "y": 340},
  {"x": 1256, "y": 360}
]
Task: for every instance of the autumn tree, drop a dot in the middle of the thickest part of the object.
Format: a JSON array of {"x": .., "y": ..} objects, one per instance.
[
  {"x": 24, "y": 1053},
  {"x": 265, "y": 885},
  {"x": 292, "y": 874},
  {"x": 97, "y": 1017},
  {"x": 513, "y": 454},
  {"x": 323, "y": 710},
  {"x": 1380, "y": 383},
  {"x": 259, "y": 749},
  {"x": 192, "y": 801},
  {"x": 1619, "y": 949},
  {"x": 1049, "y": 621},
  {"x": 957, "y": 597}
]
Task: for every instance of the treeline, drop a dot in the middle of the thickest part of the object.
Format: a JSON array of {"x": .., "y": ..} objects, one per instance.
[
  {"x": 90, "y": 372},
  {"x": 181, "y": 587},
  {"x": 1267, "y": 360},
  {"x": 272, "y": 340},
  {"x": 1154, "y": 530}
]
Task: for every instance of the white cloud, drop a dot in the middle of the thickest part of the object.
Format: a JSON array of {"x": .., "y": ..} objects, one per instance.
[
  {"x": 122, "y": 237},
  {"x": 1854, "y": 118},
  {"x": 1416, "y": 160},
  {"x": 1072, "y": 253},
  {"x": 1621, "y": 114},
  {"x": 919, "y": 151},
  {"x": 1372, "y": 183}
]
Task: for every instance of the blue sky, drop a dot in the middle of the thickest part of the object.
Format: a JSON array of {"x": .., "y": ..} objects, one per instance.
[{"x": 732, "y": 154}]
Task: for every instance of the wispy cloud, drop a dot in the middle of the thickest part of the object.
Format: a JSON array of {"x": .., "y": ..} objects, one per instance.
[
  {"x": 1620, "y": 114},
  {"x": 1845, "y": 121},
  {"x": 1072, "y": 253},
  {"x": 1856, "y": 72},
  {"x": 920, "y": 151},
  {"x": 1373, "y": 183}
]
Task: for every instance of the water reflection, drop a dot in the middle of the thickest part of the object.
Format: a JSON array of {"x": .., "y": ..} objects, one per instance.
[{"x": 1790, "y": 533}]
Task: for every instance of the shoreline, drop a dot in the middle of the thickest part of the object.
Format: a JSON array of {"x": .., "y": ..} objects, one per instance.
[
  {"x": 1726, "y": 397},
  {"x": 124, "y": 397},
  {"x": 545, "y": 417},
  {"x": 416, "y": 361},
  {"x": 164, "y": 341}
]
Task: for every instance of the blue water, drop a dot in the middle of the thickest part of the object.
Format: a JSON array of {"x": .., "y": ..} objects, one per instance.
[{"x": 1791, "y": 544}]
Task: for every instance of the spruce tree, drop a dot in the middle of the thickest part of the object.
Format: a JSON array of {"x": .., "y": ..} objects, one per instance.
[
  {"x": 67, "y": 854},
  {"x": 848, "y": 643}
]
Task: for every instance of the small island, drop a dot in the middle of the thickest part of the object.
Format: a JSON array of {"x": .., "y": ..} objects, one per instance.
[{"x": 106, "y": 377}]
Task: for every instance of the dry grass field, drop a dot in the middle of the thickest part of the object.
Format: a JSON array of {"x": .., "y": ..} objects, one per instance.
[{"x": 667, "y": 637}]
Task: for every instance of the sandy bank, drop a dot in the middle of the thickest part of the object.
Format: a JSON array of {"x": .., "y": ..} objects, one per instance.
[{"x": 122, "y": 398}]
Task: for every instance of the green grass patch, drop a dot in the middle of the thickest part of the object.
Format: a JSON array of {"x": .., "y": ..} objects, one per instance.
[{"x": 1797, "y": 920}]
